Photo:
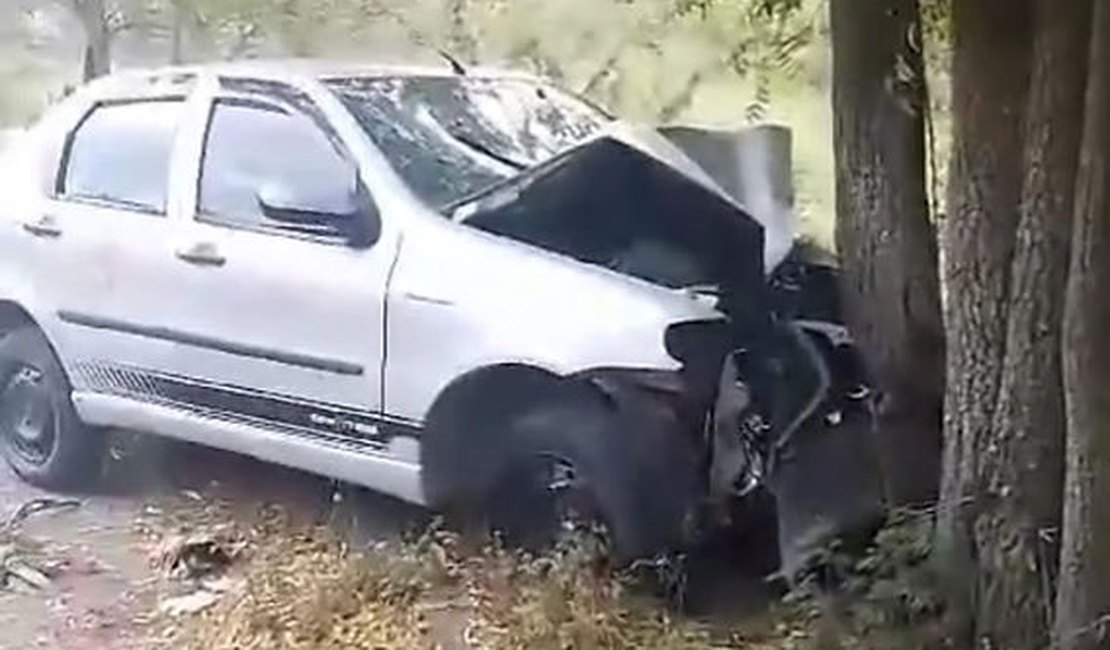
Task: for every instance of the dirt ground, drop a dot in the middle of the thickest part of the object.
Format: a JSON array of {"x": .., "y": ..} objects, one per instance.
[
  {"x": 106, "y": 587},
  {"x": 103, "y": 580},
  {"x": 100, "y": 555}
]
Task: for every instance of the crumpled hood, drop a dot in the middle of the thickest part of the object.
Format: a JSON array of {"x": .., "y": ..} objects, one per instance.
[
  {"x": 749, "y": 154},
  {"x": 631, "y": 202},
  {"x": 754, "y": 166},
  {"x": 652, "y": 142}
]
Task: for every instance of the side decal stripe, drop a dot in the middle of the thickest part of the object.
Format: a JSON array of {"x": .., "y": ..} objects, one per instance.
[{"x": 332, "y": 422}]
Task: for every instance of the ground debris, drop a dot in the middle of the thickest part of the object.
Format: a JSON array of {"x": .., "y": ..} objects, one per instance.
[
  {"x": 198, "y": 555},
  {"x": 19, "y": 573},
  {"x": 33, "y": 507},
  {"x": 23, "y": 568},
  {"x": 189, "y": 603}
]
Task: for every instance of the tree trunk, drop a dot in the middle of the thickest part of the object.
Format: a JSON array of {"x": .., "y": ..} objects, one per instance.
[
  {"x": 91, "y": 14},
  {"x": 1022, "y": 468},
  {"x": 990, "y": 74},
  {"x": 460, "y": 37},
  {"x": 886, "y": 242},
  {"x": 177, "y": 32},
  {"x": 1083, "y": 603}
]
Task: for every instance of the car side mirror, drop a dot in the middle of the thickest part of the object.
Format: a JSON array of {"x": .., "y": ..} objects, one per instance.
[{"x": 344, "y": 209}]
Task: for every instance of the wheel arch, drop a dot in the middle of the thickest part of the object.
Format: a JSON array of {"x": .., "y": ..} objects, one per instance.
[
  {"x": 13, "y": 316},
  {"x": 461, "y": 433},
  {"x": 463, "y": 455}
]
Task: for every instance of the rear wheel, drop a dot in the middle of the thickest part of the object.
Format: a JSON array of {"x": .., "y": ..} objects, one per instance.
[{"x": 41, "y": 437}]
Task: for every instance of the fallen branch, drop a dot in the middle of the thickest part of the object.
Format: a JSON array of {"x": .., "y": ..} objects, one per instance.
[{"x": 34, "y": 507}]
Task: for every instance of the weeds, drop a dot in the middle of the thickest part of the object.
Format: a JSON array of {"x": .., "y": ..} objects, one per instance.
[
  {"x": 304, "y": 589},
  {"x": 885, "y": 597}
]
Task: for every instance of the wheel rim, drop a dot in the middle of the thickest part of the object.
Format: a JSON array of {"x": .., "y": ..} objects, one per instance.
[
  {"x": 28, "y": 423},
  {"x": 565, "y": 488},
  {"x": 546, "y": 497}
]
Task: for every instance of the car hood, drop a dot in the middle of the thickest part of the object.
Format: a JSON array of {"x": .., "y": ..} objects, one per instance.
[
  {"x": 633, "y": 203},
  {"x": 759, "y": 153}
]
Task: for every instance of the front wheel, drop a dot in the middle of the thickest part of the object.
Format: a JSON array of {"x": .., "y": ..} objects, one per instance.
[
  {"x": 41, "y": 436},
  {"x": 577, "y": 461}
]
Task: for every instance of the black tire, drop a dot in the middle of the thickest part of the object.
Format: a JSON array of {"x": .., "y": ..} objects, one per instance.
[
  {"x": 624, "y": 476},
  {"x": 41, "y": 436}
]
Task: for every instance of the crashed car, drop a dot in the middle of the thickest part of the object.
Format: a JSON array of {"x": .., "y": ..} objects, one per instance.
[{"x": 474, "y": 291}]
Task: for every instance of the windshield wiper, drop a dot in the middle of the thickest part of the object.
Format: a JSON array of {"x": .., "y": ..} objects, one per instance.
[{"x": 487, "y": 151}]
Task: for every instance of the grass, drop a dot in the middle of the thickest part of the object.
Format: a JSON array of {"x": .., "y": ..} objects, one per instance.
[{"x": 302, "y": 588}]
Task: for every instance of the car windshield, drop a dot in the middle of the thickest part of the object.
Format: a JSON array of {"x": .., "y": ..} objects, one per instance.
[{"x": 452, "y": 137}]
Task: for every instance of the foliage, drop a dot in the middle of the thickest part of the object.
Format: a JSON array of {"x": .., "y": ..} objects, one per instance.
[
  {"x": 712, "y": 62},
  {"x": 887, "y": 592},
  {"x": 601, "y": 48}
]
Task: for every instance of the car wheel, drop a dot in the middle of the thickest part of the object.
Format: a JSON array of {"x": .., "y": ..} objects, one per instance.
[
  {"x": 541, "y": 496},
  {"x": 41, "y": 436},
  {"x": 576, "y": 462}
]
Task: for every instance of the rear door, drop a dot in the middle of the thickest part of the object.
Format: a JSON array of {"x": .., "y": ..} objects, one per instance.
[{"x": 105, "y": 227}]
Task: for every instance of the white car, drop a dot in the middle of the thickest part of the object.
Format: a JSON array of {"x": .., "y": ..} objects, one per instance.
[{"x": 470, "y": 291}]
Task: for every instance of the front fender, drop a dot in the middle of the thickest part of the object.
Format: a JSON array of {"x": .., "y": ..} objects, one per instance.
[{"x": 461, "y": 299}]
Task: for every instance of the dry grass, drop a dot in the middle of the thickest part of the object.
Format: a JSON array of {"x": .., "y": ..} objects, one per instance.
[
  {"x": 303, "y": 589},
  {"x": 307, "y": 593}
]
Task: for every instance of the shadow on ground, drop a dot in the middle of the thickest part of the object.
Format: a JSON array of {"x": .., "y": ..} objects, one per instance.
[
  {"x": 146, "y": 466},
  {"x": 725, "y": 577}
]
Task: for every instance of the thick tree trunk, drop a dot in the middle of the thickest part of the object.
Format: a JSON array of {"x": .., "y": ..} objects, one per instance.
[
  {"x": 1022, "y": 467},
  {"x": 886, "y": 242},
  {"x": 991, "y": 68},
  {"x": 1083, "y": 603}
]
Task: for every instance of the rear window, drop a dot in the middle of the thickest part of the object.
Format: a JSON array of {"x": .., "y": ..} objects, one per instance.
[{"x": 120, "y": 155}]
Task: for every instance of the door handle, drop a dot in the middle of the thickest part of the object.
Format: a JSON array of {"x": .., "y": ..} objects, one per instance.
[
  {"x": 201, "y": 254},
  {"x": 431, "y": 300},
  {"x": 45, "y": 226}
]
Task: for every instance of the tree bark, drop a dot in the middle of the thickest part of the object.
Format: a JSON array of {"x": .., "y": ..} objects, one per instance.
[
  {"x": 93, "y": 17},
  {"x": 1083, "y": 602},
  {"x": 1022, "y": 466},
  {"x": 991, "y": 64},
  {"x": 885, "y": 239},
  {"x": 177, "y": 33},
  {"x": 460, "y": 37}
]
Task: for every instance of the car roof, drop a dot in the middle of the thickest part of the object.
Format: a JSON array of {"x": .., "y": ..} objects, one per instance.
[{"x": 134, "y": 79}]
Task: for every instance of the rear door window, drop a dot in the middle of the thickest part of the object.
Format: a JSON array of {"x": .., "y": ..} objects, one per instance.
[{"x": 120, "y": 154}]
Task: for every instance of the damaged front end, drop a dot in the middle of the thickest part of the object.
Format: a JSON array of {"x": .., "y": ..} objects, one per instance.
[
  {"x": 723, "y": 421},
  {"x": 750, "y": 380},
  {"x": 692, "y": 213}
]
